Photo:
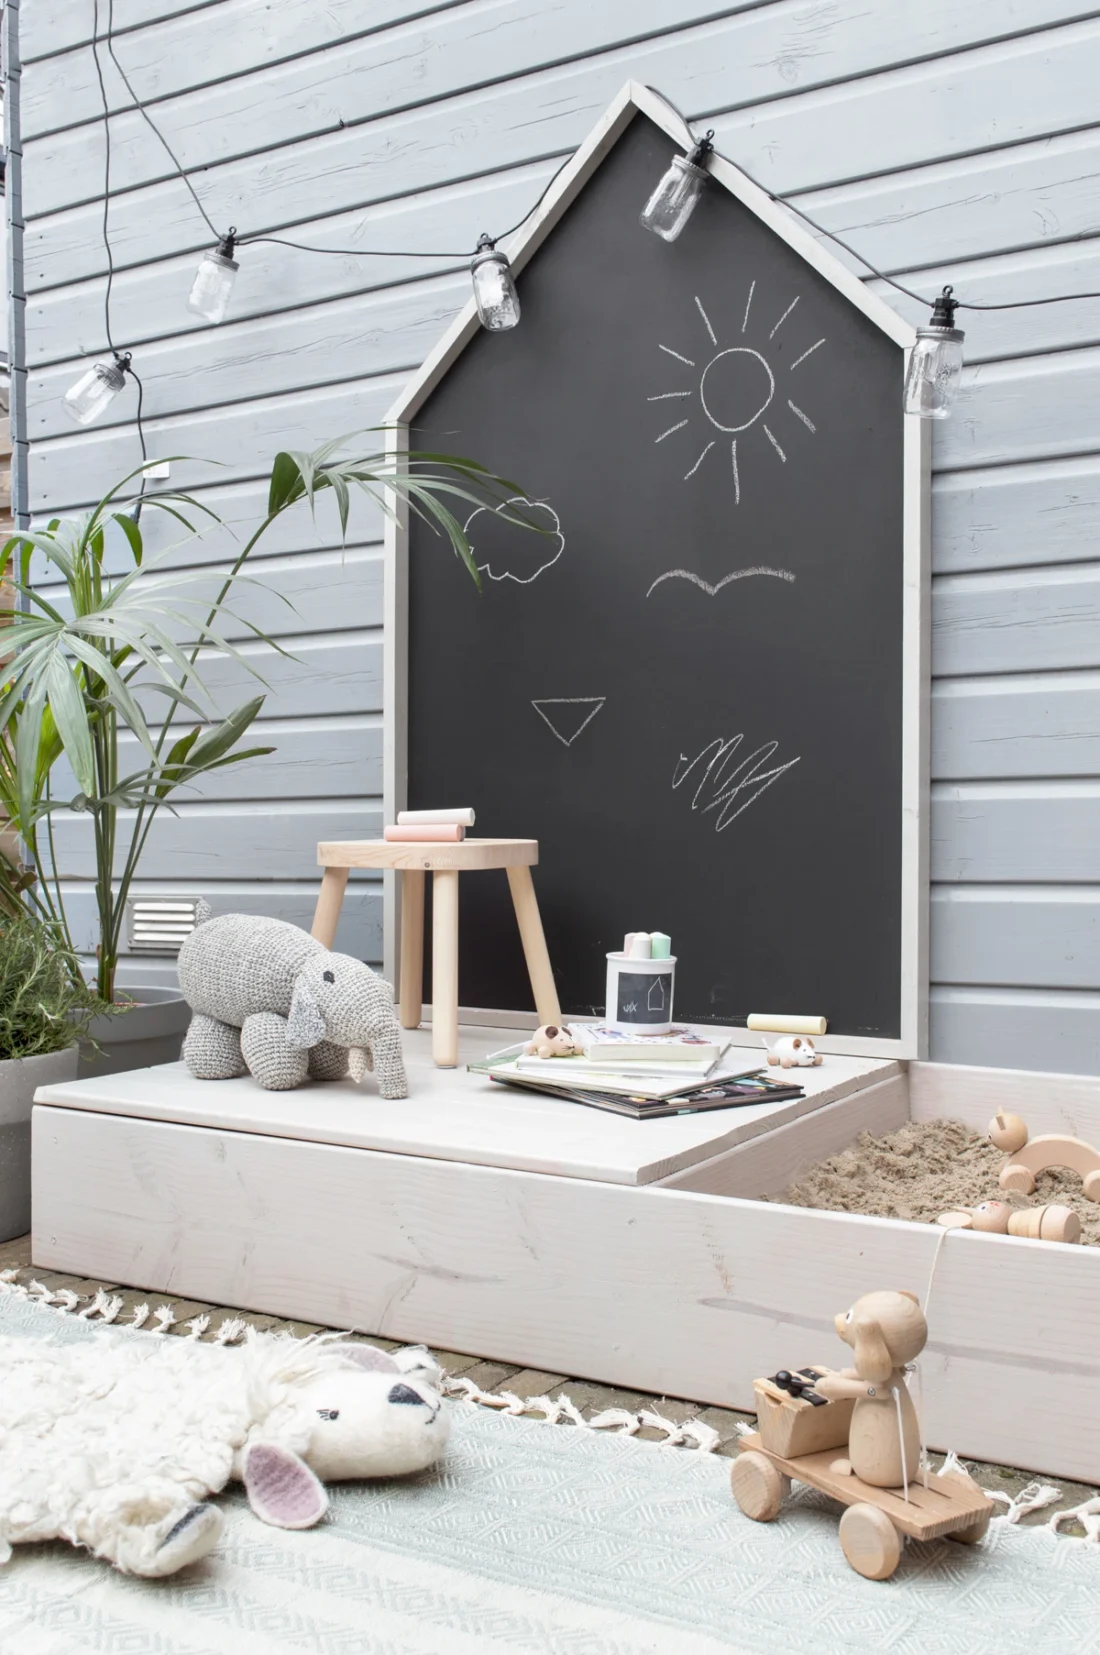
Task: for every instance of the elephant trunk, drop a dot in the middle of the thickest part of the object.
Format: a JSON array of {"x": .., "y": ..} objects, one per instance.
[{"x": 389, "y": 1061}]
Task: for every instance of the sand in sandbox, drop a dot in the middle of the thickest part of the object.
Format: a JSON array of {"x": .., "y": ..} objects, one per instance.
[{"x": 925, "y": 1169}]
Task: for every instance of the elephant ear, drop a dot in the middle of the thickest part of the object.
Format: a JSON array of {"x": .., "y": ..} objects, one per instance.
[{"x": 305, "y": 1025}]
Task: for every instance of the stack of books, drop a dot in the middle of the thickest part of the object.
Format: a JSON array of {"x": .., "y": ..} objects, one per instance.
[{"x": 643, "y": 1076}]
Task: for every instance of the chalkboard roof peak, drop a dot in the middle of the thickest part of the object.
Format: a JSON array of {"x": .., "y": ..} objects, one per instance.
[{"x": 632, "y": 100}]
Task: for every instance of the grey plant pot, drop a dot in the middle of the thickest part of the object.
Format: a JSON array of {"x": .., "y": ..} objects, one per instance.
[
  {"x": 20, "y": 1078},
  {"x": 149, "y": 1032}
]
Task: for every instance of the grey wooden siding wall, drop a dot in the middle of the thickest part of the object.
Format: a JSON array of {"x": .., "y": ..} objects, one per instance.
[{"x": 952, "y": 140}]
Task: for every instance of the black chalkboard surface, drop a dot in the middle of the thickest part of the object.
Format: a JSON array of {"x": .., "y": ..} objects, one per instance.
[{"x": 690, "y": 689}]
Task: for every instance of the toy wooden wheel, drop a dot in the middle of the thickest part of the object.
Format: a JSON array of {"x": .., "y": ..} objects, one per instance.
[
  {"x": 975, "y": 1532},
  {"x": 758, "y": 1486},
  {"x": 870, "y": 1542}
]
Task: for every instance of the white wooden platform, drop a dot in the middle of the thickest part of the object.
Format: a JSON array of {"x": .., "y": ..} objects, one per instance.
[{"x": 557, "y": 1237}]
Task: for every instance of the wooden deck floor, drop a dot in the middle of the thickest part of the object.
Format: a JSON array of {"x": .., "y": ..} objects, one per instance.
[{"x": 590, "y": 1398}]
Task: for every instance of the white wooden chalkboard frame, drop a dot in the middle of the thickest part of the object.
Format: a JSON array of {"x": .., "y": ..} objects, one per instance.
[{"x": 632, "y": 100}]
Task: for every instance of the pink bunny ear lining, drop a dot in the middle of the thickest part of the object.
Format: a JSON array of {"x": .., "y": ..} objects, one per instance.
[
  {"x": 370, "y": 1358},
  {"x": 281, "y": 1488}
]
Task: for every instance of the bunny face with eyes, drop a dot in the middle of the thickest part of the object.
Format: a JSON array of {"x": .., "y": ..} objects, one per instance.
[{"x": 372, "y": 1416}]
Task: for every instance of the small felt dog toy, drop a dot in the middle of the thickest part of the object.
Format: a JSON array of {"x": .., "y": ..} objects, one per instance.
[
  {"x": 550, "y": 1041},
  {"x": 117, "y": 1445},
  {"x": 794, "y": 1051}
]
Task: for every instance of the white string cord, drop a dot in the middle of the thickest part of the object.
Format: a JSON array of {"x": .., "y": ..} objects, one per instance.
[{"x": 901, "y": 1442}]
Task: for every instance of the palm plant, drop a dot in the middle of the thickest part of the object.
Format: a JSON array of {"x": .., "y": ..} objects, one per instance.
[{"x": 82, "y": 672}]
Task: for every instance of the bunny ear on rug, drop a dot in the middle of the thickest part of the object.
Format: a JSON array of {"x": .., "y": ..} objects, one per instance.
[
  {"x": 281, "y": 1488},
  {"x": 370, "y": 1358}
]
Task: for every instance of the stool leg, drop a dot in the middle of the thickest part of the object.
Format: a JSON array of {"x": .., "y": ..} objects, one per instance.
[
  {"x": 412, "y": 947},
  {"x": 327, "y": 911},
  {"x": 445, "y": 967},
  {"x": 534, "y": 944}
]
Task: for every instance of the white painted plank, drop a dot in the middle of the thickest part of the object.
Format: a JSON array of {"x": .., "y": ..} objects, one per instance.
[
  {"x": 359, "y": 932},
  {"x": 72, "y": 471},
  {"x": 709, "y": 1292},
  {"x": 1016, "y": 831},
  {"x": 769, "y": 1164},
  {"x": 1047, "y": 725},
  {"x": 51, "y": 27},
  {"x": 330, "y": 50},
  {"x": 1007, "y": 411},
  {"x": 452, "y": 1115},
  {"x": 204, "y": 842},
  {"x": 929, "y": 111},
  {"x": 1033, "y": 620},
  {"x": 973, "y": 1095},
  {"x": 352, "y": 339},
  {"x": 1021, "y": 936},
  {"x": 1020, "y": 515},
  {"x": 743, "y": 60},
  {"x": 331, "y": 758},
  {"x": 1021, "y": 1028}
]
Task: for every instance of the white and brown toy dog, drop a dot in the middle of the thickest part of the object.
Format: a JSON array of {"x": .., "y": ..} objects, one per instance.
[
  {"x": 117, "y": 1446},
  {"x": 886, "y": 1330},
  {"x": 793, "y": 1051},
  {"x": 551, "y": 1041}
]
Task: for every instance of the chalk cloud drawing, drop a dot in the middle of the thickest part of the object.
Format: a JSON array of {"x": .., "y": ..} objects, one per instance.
[
  {"x": 568, "y": 715},
  {"x": 736, "y": 387},
  {"x": 519, "y": 553},
  {"x": 729, "y": 792}
]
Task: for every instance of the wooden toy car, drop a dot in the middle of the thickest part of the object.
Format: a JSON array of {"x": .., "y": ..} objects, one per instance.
[{"x": 872, "y": 1527}]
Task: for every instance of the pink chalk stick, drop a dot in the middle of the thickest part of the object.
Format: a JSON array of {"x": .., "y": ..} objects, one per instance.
[{"x": 443, "y": 833}]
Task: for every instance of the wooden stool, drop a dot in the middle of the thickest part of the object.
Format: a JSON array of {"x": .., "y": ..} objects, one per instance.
[{"x": 445, "y": 863}]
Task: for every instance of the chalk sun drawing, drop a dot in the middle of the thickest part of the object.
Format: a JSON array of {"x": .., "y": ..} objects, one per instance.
[
  {"x": 524, "y": 550},
  {"x": 736, "y": 388},
  {"x": 568, "y": 715},
  {"x": 727, "y": 791}
]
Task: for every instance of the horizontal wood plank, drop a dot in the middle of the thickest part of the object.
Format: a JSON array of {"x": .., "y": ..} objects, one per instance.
[
  {"x": 1008, "y": 411},
  {"x": 218, "y": 841},
  {"x": 1022, "y": 1029},
  {"x": 973, "y": 1095},
  {"x": 1017, "y": 832},
  {"x": 1016, "y": 937},
  {"x": 1016, "y": 727},
  {"x": 1019, "y": 515},
  {"x": 1032, "y": 621}
]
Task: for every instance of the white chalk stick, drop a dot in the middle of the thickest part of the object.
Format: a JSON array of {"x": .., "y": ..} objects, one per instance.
[
  {"x": 463, "y": 817},
  {"x": 641, "y": 946},
  {"x": 769, "y": 1022}
]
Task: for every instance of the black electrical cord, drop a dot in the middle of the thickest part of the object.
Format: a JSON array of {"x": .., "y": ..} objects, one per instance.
[{"x": 782, "y": 201}]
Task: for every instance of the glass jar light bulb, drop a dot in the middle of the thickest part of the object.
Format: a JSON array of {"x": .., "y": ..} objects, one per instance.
[
  {"x": 935, "y": 363},
  {"x": 95, "y": 390},
  {"x": 494, "y": 288},
  {"x": 673, "y": 201},
  {"x": 213, "y": 284}
]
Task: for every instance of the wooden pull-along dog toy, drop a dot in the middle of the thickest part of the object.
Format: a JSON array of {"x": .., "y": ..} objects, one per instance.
[
  {"x": 1051, "y": 1223},
  {"x": 803, "y": 1418},
  {"x": 1027, "y": 1157}
]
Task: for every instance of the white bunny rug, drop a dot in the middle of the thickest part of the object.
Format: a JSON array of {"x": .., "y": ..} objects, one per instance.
[{"x": 550, "y": 1542}]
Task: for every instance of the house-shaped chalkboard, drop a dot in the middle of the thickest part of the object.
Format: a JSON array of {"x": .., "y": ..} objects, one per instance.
[{"x": 703, "y": 690}]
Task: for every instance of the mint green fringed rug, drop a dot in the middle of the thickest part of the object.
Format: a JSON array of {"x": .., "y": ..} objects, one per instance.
[{"x": 536, "y": 1539}]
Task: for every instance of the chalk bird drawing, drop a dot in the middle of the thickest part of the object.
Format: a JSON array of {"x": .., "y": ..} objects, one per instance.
[
  {"x": 506, "y": 550},
  {"x": 736, "y": 388},
  {"x": 729, "y": 792}
]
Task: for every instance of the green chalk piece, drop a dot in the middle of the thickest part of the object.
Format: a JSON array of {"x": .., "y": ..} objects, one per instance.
[{"x": 662, "y": 946}]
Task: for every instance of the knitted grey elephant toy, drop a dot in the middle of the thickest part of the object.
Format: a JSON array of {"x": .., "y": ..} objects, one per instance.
[{"x": 269, "y": 1000}]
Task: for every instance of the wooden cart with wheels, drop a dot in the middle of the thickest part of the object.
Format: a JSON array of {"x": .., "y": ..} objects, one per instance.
[{"x": 872, "y": 1527}]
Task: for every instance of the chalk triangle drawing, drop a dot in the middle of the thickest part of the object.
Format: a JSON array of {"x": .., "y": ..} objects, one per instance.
[{"x": 568, "y": 715}]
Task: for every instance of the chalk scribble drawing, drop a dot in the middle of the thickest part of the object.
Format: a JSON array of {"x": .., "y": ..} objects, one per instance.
[
  {"x": 520, "y": 554},
  {"x": 729, "y": 791},
  {"x": 655, "y": 999},
  {"x": 713, "y": 590},
  {"x": 736, "y": 388},
  {"x": 568, "y": 715}
]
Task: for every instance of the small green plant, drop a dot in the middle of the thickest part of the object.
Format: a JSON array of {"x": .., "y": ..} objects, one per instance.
[{"x": 44, "y": 1003}]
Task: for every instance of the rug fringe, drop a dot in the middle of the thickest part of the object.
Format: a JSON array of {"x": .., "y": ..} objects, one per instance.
[{"x": 691, "y": 1433}]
